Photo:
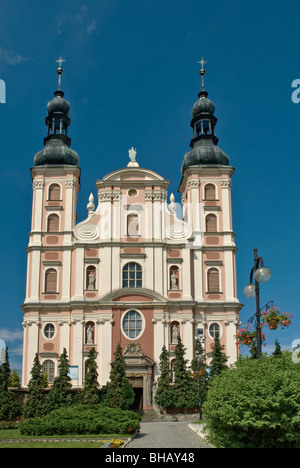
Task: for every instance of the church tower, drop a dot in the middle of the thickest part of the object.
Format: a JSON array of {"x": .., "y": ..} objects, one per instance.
[
  {"x": 206, "y": 202},
  {"x": 56, "y": 181}
]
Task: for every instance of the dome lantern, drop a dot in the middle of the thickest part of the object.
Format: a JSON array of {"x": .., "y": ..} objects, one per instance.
[
  {"x": 57, "y": 143},
  {"x": 204, "y": 144}
]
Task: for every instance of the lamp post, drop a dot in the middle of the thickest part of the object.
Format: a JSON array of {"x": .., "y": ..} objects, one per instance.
[
  {"x": 261, "y": 275},
  {"x": 200, "y": 340}
]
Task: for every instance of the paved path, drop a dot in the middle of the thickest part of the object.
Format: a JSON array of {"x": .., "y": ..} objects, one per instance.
[{"x": 167, "y": 435}]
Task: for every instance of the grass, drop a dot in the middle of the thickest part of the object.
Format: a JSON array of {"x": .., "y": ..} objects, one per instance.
[
  {"x": 55, "y": 445},
  {"x": 92, "y": 441}
]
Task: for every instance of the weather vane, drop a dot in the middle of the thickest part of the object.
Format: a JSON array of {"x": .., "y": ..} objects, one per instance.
[{"x": 59, "y": 71}]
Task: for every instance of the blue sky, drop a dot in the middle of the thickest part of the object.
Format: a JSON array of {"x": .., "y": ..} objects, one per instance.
[{"x": 131, "y": 77}]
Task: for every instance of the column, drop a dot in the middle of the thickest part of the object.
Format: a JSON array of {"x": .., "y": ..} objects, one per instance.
[
  {"x": 106, "y": 349},
  {"x": 66, "y": 277},
  {"x": 77, "y": 347},
  {"x": 186, "y": 274},
  {"x": 37, "y": 215},
  {"x": 79, "y": 273},
  {"x": 198, "y": 275}
]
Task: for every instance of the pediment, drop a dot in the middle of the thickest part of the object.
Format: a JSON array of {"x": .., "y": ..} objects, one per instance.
[{"x": 131, "y": 295}]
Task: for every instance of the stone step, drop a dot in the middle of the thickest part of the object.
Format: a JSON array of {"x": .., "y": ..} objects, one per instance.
[{"x": 150, "y": 416}]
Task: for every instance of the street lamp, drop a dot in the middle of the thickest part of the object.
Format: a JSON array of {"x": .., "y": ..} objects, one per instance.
[
  {"x": 261, "y": 275},
  {"x": 200, "y": 340}
]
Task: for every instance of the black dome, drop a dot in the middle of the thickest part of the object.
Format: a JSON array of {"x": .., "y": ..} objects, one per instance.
[
  {"x": 205, "y": 154},
  {"x": 56, "y": 152}
]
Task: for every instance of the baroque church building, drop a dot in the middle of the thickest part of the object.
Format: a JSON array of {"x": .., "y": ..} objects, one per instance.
[{"x": 132, "y": 272}]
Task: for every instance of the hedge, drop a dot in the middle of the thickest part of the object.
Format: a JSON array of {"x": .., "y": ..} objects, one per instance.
[
  {"x": 255, "y": 404},
  {"x": 82, "y": 419}
]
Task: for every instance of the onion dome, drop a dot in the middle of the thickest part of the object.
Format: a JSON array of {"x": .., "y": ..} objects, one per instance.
[
  {"x": 205, "y": 149},
  {"x": 57, "y": 150},
  {"x": 58, "y": 105},
  {"x": 203, "y": 104}
]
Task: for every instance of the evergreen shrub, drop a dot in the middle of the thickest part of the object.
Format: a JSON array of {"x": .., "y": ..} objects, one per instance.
[
  {"x": 82, "y": 419},
  {"x": 255, "y": 404}
]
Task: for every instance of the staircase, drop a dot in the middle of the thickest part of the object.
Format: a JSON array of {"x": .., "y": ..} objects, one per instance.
[{"x": 149, "y": 416}]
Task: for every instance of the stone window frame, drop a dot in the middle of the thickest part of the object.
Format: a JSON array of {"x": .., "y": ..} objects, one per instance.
[
  {"x": 49, "y": 324},
  {"x": 132, "y": 309}
]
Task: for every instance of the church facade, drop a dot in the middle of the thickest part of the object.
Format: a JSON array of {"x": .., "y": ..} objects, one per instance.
[{"x": 134, "y": 272}]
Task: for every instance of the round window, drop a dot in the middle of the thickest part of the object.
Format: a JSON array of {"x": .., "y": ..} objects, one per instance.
[
  {"x": 214, "y": 329},
  {"x": 49, "y": 331},
  {"x": 132, "y": 193},
  {"x": 132, "y": 324}
]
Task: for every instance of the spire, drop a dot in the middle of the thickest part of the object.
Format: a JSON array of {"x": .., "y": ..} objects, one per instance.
[
  {"x": 204, "y": 143},
  {"x": 57, "y": 143},
  {"x": 59, "y": 71},
  {"x": 202, "y": 73}
]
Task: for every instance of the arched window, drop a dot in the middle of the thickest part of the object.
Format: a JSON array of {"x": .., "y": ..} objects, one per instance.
[
  {"x": 213, "y": 280},
  {"x": 211, "y": 223},
  {"x": 132, "y": 275},
  {"x": 49, "y": 369},
  {"x": 210, "y": 192},
  {"x": 54, "y": 192},
  {"x": 53, "y": 223},
  {"x": 51, "y": 281},
  {"x": 132, "y": 225},
  {"x": 91, "y": 278}
]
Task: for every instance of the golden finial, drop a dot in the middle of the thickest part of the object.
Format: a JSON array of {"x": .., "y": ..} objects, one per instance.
[
  {"x": 59, "y": 71},
  {"x": 202, "y": 71}
]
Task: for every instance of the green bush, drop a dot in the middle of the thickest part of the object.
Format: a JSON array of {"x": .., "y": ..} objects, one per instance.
[
  {"x": 255, "y": 404},
  {"x": 82, "y": 419}
]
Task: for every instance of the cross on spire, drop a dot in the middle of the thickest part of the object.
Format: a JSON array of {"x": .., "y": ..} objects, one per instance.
[
  {"x": 60, "y": 61},
  {"x": 59, "y": 71},
  {"x": 202, "y": 62},
  {"x": 202, "y": 72}
]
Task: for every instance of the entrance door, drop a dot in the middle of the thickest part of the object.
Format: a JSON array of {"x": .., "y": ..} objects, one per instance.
[{"x": 138, "y": 398}]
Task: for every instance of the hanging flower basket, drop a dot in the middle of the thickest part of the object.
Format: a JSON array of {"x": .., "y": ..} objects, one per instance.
[
  {"x": 245, "y": 337},
  {"x": 274, "y": 318},
  {"x": 273, "y": 323}
]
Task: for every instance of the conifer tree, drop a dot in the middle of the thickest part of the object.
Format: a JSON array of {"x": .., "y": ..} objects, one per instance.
[
  {"x": 164, "y": 393},
  {"x": 5, "y": 372},
  {"x": 14, "y": 379},
  {"x": 219, "y": 359},
  {"x": 9, "y": 408},
  {"x": 119, "y": 392},
  {"x": 200, "y": 375},
  {"x": 91, "y": 393},
  {"x": 277, "y": 352},
  {"x": 36, "y": 398},
  {"x": 60, "y": 395},
  {"x": 184, "y": 390}
]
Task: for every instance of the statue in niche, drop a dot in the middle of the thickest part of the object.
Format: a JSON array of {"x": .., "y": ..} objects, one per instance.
[
  {"x": 174, "y": 285},
  {"x": 92, "y": 281},
  {"x": 175, "y": 334},
  {"x": 89, "y": 335}
]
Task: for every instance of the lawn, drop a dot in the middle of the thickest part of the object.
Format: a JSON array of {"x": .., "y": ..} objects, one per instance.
[{"x": 17, "y": 440}]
